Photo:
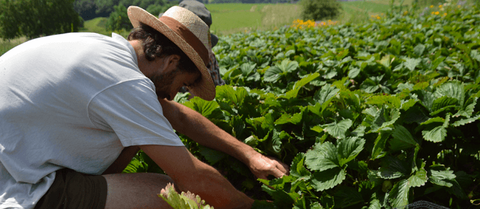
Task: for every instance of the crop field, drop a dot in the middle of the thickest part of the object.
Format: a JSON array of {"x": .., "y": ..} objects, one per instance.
[{"x": 383, "y": 114}]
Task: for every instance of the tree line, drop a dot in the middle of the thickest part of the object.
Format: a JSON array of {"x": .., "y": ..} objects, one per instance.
[{"x": 35, "y": 18}]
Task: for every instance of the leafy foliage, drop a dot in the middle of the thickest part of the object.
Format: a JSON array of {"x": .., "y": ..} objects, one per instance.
[
  {"x": 379, "y": 115},
  {"x": 89, "y": 9},
  {"x": 320, "y": 9},
  {"x": 184, "y": 200},
  {"x": 34, "y": 18}
]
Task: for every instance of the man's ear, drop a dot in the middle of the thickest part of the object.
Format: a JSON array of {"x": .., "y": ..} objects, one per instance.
[
  {"x": 170, "y": 62},
  {"x": 173, "y": 59}
]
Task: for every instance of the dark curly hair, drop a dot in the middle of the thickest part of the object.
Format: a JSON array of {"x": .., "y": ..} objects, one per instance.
[{"x": 155, "y": 44}]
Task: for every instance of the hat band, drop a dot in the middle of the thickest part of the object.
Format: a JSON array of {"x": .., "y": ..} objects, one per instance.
[{"x": 188, "y": 36}]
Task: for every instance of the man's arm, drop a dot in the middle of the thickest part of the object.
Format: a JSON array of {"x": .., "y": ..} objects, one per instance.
[
  {"x": 190, "y": 174},
  {"x": 203, "y": 131}
]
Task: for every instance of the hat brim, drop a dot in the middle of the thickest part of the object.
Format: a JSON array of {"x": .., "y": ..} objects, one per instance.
[{"x": 204, "y": 87}]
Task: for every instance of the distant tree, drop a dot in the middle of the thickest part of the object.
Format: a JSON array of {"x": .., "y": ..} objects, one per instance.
[
  {"x": 34, "y": 18},
  {"x": 105, "y": 7},
  {"x": 118, "y": 19},
  {"x": 320, "y": 9},
  {"x": 85, "y": 8}
]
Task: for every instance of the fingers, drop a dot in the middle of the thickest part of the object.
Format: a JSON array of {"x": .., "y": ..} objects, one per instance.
[
  {"x": 278, "y": 173},
  {"x": 275, "y": 168},
  {"x": 280, "y": 167}
]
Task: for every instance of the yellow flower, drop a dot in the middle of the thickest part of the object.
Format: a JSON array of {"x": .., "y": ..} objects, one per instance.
[
  {"x": 445, "y": 14},
  {"x": 440, "y": 6},
  {"x": 378, "y": 17},
  {"x": 433, "y": 13},
  {"x": 437, "y": 12},
  {"x": 431, "y": 6}
]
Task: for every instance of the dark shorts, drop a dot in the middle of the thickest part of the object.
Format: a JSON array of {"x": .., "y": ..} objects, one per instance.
[{"x": 75, "y": 190}]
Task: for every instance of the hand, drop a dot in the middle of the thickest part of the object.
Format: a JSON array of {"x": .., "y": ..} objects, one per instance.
[{"x": 262, "y": 166}]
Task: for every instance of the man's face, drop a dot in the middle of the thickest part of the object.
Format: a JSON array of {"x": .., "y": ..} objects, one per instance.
[{"x": 169, "y": 81}]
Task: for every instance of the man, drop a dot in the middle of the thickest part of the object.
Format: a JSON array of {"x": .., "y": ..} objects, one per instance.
[{"x": 75, "y": 108}]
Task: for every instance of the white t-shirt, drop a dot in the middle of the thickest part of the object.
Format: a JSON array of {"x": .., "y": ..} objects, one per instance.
[{"x": 71, "y": 101}]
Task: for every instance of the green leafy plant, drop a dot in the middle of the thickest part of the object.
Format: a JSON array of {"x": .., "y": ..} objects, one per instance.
[
  {"x": 184, "y": 200},
  {"x": 378, "y": 115}
]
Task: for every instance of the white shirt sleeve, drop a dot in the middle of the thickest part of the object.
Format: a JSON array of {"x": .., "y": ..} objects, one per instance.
[{"x": 131, "y": 110}]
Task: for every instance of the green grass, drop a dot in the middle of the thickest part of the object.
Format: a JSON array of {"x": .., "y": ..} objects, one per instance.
[
  {"x": 234, "y": 18},
  {"x": 361, "y": 11},
  {"x": 6, "y": 45},
  {"x": 96, "y": 25}
]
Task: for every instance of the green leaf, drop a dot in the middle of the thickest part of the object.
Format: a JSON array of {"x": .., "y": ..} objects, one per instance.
[
  {"x": 247, "y": 68},
  {"x": 385, "y": 119},
  {"x": 441, "y": 176},
  {"x": 379, "y": 145},
  {"x": 135, "y": 166},
  {"x": 353, "y": 72},
  {"x": 419, "y": 49},
  {"x": 411, "y": 63},
  {"x": 418, "y": 179},
  {"x": 272, "y": 74},
  {"x": 338, "y": 130},
  {"x": 287, "y": 118},
  {"x": 347, "y": 196},
  {"x": 297, "y": 168},
  {"x": 399, "y": 194},
  {"x": 392, "y": 168},
  {"x": 390, "y": 100},
  {"x": 299, "y": 84},
  {"x": 385, "y": 61},
  {"x": 209, "y": 109},
  {"x": 442, "y": 103},
  {"x": 375, "y": 202},
  {"x": 184, "y": 200},
  {"x": 280, "y": 197},
  {"x": 231, "y": 95},
  {"x": 453, "y": 90},
  {"x": 469, "y": 109},
  {"x": 325, "y": 94},
  {"x": 435, "y": 135},
  {"x": 327, "y": 179},
  {"x": 322, "y": 157},
  {"x": 465, "y": 121},
  {"x": 349, "y": 148},
  {"x": 437, "y": 62},
  {"x": 402, "y": 139},
  {"x": 211, "y": 155}
]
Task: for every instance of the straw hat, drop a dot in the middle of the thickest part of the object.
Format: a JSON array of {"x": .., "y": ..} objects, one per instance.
[{"x": 189, "y": 33}]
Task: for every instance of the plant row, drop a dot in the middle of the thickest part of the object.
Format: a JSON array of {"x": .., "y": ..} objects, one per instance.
[{"x": 379, "y": 115}]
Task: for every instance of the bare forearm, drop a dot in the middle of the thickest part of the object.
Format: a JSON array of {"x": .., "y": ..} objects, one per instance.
[
  {"x": 211, "y": 186},
  {"x": 191, "y": 174},
  {"x": 204, "y": 132}
]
